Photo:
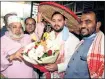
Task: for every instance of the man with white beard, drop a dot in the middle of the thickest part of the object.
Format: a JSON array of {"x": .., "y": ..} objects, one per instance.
[
  {"x": 12, "y": 45},
  {"x": 5, "y": 27}
]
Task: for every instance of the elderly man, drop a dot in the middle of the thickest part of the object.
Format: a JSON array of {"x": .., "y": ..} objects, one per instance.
[
  {"x": 88, "y": 59},
  {"x": 4, "y": 29},
  {"x": 12, "y": 45}
]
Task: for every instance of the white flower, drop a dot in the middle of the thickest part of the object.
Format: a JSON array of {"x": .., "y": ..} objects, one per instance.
[
  {"x": 52, "y": 35},
  {"x": 49, "y": 43},
  {"x": 31, "y": 53},
  {"x": 56, "y": 45},
  {"x": 52, "y": 43},
  {"x": 39, "y": 51}
]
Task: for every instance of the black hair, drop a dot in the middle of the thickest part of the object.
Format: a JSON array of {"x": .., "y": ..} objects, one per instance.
[
  {"x": 58, "y": 13},
  {"x": 97, "y": 14},
  {"x": 29, "y": 18}
]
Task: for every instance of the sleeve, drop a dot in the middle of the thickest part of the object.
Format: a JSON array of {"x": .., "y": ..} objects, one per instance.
[
  {"x": 4, "y": 61},
  {"x": 69, "y": 48},
  {"x": 39, "y": 29}
]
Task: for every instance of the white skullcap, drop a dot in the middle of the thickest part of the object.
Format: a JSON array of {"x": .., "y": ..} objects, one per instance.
[{"x": 13, "y": 19}]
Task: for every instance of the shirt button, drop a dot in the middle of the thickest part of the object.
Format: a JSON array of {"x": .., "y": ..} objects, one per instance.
[
  {"x": 73, "y": 58},
  {"x": 82, "y": 44},
  {"x": 77, "y": 51},
  {"x": 68, "y": 66}
]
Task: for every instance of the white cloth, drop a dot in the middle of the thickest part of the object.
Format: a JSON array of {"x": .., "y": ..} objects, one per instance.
[
  {"x": 13, "y": 18},
  {"x": 69, "y": 47}
]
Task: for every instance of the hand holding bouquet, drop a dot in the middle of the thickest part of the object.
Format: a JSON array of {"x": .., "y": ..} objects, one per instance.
[{"x": 42, "y": 52}]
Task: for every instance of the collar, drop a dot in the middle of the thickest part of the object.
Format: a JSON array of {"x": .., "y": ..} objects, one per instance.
[
  {"x": 64, "y": 33},
  {"x": 90, "y": 37}
]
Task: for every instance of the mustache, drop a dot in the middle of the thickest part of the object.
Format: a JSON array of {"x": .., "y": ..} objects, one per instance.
[
  {"x": 56, "y": 25},
  {"x": 83, "y": 28}
]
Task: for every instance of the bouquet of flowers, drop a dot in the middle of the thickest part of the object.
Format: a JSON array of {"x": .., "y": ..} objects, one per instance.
[{"x": 43, "y": 52}]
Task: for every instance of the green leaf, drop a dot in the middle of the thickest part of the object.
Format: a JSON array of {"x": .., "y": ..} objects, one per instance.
[
  {"x": 44, "y": 55},
  {"x": 55, "y": 52},
  {"x": 25, "y": 54},
  {"x": 39, "y": 58}
]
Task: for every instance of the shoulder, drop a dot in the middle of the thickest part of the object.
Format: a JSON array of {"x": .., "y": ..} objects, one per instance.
[
  {"x": 4, "y": 38},
  {"x": 72, "y": 37},
  {"x": 72, "y": 41},
  {"x": 26, "y": 39},
  {"x": 26, "y": 36}
]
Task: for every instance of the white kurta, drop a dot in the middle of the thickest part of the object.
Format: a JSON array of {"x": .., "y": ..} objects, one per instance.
[{"x": 69, "y": 47}]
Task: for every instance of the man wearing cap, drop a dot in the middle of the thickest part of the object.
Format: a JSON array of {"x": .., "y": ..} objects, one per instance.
[
  {"x": 12, "y": 45},
  {"x": 4, "y": 29}
]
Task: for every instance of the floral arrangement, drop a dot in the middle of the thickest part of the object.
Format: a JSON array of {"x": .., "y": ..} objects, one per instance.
[{"x": 42, "y": 52}]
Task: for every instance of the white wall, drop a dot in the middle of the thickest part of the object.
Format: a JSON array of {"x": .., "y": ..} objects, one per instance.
[{"x": 21, "y": 8}]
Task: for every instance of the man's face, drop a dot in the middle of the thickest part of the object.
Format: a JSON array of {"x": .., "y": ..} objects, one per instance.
[
  {"x": 16, "y": 28},
  {"x": 58, "y": 22},
  {"x": 88, "y": 24},
  {"x": 30, "y": 25}
]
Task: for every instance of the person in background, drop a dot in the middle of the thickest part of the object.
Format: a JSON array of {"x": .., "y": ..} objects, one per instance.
[
  {"x": 30, "y": 26},
  {"x": 4, "y": 29},
  {"x": 33, "y": 28},
  {"x": 12, "y": 46},
  {"x": 88, "y": 59}
]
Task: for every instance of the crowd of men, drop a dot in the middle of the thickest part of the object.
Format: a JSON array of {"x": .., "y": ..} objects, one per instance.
[{"x": 77, "y": 59}]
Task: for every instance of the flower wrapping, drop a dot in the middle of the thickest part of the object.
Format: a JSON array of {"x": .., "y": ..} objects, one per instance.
[{"x": 43, "y": 52}]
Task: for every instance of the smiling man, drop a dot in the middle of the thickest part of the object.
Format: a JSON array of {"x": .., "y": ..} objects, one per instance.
[
  {"x": 88, "y": 59},
  {"x": 65, "y": 39},
  {"x": 12, "y": 46}
]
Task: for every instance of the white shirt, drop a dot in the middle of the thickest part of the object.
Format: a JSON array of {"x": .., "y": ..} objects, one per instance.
[{"x": 69, "y": 48}]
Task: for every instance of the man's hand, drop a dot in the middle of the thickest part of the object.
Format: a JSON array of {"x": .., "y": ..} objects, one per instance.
[
  {"x": 51, "y": 67},
  {"x": 17, "y": 55},
  {"x": 39, "y": 17}
]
